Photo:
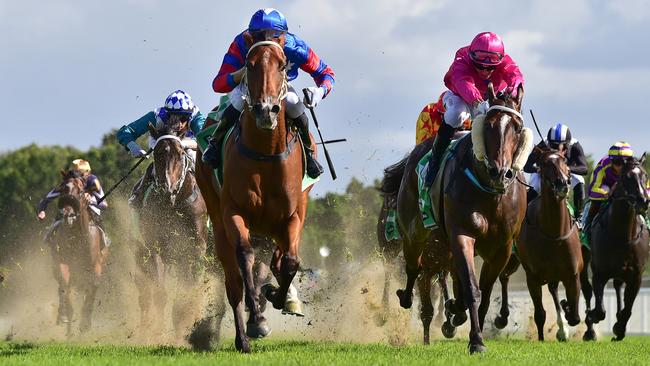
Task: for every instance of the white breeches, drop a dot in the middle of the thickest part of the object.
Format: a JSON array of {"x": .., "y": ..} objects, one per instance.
[{"x": 293, "y": 104}]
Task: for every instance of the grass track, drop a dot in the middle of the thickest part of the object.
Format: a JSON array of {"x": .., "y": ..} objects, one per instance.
[{"x": 632, "y": 351}]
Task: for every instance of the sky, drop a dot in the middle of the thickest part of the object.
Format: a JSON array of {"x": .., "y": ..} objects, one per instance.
[{"x": 71, "y": 70}]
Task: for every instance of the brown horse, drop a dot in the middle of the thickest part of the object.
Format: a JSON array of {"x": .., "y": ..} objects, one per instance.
[
  {"x": 549, "y": 244},
  {"x": 436, "y": 258},
  {"x": 619, "y": 246},
  {"x": 261, "y": 191},
  {"x": 76, "y": 250},
  {"x": 173, "y": 224},
  {"x": 482, "y": 208}
]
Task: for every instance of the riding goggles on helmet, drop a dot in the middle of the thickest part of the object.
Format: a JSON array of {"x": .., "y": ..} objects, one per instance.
[{"x": 486, "y": 58}]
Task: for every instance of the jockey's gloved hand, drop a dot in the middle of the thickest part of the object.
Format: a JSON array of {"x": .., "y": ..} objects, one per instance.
[
  {"x": 317, "y": 93},
  {"x": 480, "y": 108},
  {"x": 188, "y": 144},
  {"x": 136, "y": 150}
]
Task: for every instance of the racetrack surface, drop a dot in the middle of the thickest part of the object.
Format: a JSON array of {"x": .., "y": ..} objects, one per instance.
[{"x": 631, "y": 351}]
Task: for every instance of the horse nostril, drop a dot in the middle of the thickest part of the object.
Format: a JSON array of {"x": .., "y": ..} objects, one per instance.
[
  {"x": 275, "y": 109},
  {"x": 509, "y": 174}
]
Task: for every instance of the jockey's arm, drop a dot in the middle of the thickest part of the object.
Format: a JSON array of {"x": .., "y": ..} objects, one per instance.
[
  {"x": 312, "y": 64},
  {"x": 42, "y": 204},
  {"x": 578, "y": 161},
  {"x": 131, "y": 132},
  {"x": 232, "y": 67},
  {"x": 531, "y": 166}
]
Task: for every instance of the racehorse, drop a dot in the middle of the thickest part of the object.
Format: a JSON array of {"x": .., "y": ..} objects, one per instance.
[
  {"x": 436, "y": 258},
  {"x": 76, "y": 251},
  {"x": 483, "y": 207},
  {"x": 549, "y": 245},
  {"x": 619, "y": 246},
  {"x": 173, "y": 222},
  {"x": 261, "y": 191}
]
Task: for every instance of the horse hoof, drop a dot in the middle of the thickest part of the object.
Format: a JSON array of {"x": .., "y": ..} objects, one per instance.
[
  {"x": 448, "y": 330},
  {"x": 561, "y": 336},
  {"x": 258, "y": 330},
  {"x": 590, "y": 335},
  {"x": 596, "y": 316},
  {"x": 293, "y": 307},
  {"x": 477, "y": 348},
  {"x": 243, "y": 345},
  {"x": 459, "y": 319},
  {"x": 405, "y": 299},
  {"x": 450, "y": 305},
  {"x": 500, "y": 322},
  {"x": 619, "y": 332},
  {"x": 271, "y": 293}
]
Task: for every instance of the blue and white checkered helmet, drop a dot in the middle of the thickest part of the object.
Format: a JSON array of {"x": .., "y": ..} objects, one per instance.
[
  {"x": 179, "y": 102},
  {"x": 559, "y": 133}
]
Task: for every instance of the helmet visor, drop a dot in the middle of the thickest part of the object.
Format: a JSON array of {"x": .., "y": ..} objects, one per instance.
[
  {"x": 486, "y": 58},
  {"x": 267, "y": 34}
]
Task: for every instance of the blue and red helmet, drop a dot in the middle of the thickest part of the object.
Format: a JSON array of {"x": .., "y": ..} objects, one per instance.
[{"x": 268, "y": 19}]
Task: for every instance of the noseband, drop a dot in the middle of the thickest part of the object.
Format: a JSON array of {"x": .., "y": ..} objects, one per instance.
[{"x": 284, "y": 89}]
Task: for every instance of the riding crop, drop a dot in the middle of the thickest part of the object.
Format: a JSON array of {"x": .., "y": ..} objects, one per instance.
[
  {"x": 537, "y": 128},
  {"x": 313, "y": 116},
  {"x": 146, "y": 155}
]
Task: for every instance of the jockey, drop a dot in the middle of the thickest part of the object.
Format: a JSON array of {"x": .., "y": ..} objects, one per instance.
[
  {"x": 92, "y": 187},
  {"x": 270, "y": 24},
  {"x": 181, "y": 114},
  {"x": 605, "y": 175},
  {"x": 474, "y": 67},
  {"x": 559, "y": 138}
]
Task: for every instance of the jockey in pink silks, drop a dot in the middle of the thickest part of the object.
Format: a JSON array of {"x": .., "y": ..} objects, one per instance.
[{"x": 475, "y": 66}]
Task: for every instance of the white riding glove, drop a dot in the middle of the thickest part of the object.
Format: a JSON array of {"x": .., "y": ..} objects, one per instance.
[
  {"x": 317, "y": 93},
  {"x": 188, "y": 144},
  {"x": 136, "y": 150},
  {"x": 480, "y": 108}
]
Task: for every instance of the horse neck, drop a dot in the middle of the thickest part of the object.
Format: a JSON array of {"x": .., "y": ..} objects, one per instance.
[
  {"x": 264, "y": 141},
  {"x": 622, "y": 220},
  {"x": 553, "y": 216}
]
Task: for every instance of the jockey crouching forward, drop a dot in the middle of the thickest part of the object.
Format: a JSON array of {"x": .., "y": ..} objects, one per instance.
[
  {"x": 92, "y": 188},
  {"x": 270, "y": 24},
  {"x": 184, "y": 118},
  {"x": 475, "y": 66},
  {"x": 559, "y": 138}
]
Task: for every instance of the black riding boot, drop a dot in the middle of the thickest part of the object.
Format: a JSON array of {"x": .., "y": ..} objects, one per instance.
[
  {"x": 140, "y": 188},
  {"x": 314, "y": 169},
  {"x": 211, "y": 155},
  {"x": 593, "y": 210},
  {"x": 578, "y": 199},
  {"x": 440, "y": 144}
]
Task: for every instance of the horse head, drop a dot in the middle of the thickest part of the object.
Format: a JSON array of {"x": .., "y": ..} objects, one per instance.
[
  {"x": 170, "y": 161},
  {"x": 500, "y": 140},
  {"x": 633, "y": 184},
  {"x": 72, "y": 198},
  {"x": 265, "y": 80},
  {"x": 554, "y": 171}
]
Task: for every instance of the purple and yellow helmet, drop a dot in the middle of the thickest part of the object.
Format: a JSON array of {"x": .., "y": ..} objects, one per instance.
[{"x": 621, "y": 149}]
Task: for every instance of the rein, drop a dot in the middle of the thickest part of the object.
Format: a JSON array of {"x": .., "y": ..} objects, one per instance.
[{"x": 506, "y": 109}]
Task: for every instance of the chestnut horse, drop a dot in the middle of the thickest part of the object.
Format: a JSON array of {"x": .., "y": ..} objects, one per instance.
[
  {"x": 173, "y": 222},
  {"x": 76, "y": 251},
  {"x": 482, "y": 208},
  {"x": 261, "y": 191},
  {"x": 549, "y": 245},
  {"x": 619, "y": 246}
]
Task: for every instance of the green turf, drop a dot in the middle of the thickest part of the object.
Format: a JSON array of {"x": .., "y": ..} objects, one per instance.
[{"x": 632, "y": 351}]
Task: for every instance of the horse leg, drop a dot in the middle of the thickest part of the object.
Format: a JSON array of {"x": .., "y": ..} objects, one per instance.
[
  {"x": 289, "y": 264},
  {"x": 448, "y": 329},
  {"x": 570, "y": 306},
  {"x": 438, "y": 300},
  {"x": 632, "y": 287},
  {"x": 598, "y": 312},
  {"x": 65, "y": 312},
  {"x": 262, "y": 276},
  {"x": 587, "y": 292},
  {"x": 463, "y": 251},
  {"x": 535, "y": 290},
  {"x": 489, "y": 274},
  {"x": 456, "y": 307},
  {"x": 501, "y": 320},
  {"x": 618, "y": 288},
  {"x": 412, "y": 257},
  {"x": 388, "y": 274},
  {"x": 96, "y": 258},
  {"x": 561, "y": 334},
  {"x": 426, "y": 307}
]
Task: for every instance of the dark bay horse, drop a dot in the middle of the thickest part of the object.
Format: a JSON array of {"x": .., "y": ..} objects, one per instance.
[
  {"x": 173, "y": 222},
  {"x": 436, "y": 259},
  {"x": 483, "y": 207},
  {"x": 261, "y": 192},
  {"x": 549, "y": 246},
  {"x": 76, "y": 251},
  {"x": 619, "y": 246}
]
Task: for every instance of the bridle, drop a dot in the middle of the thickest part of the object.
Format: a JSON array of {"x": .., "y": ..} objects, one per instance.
[
  {"x": 284, "y": 89},
  {"x": 186, "y": 164}
]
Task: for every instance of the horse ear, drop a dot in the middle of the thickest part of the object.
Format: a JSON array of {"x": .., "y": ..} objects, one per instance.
[
  {"x": 520, "y": 96},
  {"x": 63, "y": 173},
  {"x": 491, "y": 95},
  {"x": 642, "y": 159},
  {"x": 248, "y": 38},
  {"x": 281, "y": 40}
]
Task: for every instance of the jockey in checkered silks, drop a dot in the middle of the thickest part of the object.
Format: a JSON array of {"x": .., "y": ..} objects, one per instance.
[
  {"x": 79, "y": 168},
  {"x": 559, "y": 138},
  {"x": 270, "y": 24},
  {"x": 181, "y": 114}
]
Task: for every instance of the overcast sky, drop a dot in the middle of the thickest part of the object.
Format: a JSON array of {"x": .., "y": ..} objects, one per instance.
[{"x": 72, "y": 70}]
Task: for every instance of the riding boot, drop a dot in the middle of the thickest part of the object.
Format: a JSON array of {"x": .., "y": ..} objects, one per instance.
[
  {"x": 314, "y": 169},
  {"x": 211, "y": 155},
  {"x": 440, "y": 144},
  {"x": 593, "y": 210},
  {"x": 578, "y": 199},
  {"x": 531, "y": 195},
  {"x": 140, "y": 188}
]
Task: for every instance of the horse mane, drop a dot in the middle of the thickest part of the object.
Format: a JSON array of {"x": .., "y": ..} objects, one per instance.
[{"x": 393, "y": 178}]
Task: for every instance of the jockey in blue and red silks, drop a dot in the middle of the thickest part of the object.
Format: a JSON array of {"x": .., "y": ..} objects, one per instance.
[
  {"x": 270, "y": 24},
  {"x": 475, "y": 66}
]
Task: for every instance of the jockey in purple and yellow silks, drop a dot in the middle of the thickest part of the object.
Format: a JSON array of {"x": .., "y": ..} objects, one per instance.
[
  {"x": 270, "y": 24},
  {"x": 605, "y": 176},
  {"x": 484, "y": 61}
]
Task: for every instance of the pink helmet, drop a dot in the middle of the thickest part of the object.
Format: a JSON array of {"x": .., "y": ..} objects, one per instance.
[{"x": 487, "y": 49}]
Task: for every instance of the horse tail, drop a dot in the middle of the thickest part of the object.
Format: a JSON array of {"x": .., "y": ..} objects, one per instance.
[{"x": 393, "y": 178}]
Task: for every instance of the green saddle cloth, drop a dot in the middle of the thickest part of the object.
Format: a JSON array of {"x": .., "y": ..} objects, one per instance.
[{"x": 390, "y": 229}]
